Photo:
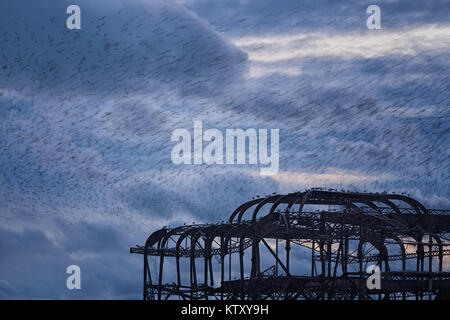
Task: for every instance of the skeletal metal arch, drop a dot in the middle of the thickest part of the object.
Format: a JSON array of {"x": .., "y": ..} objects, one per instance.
[
  {"x": 362, "y": 220},
  {"x": 313, "y": 196}
]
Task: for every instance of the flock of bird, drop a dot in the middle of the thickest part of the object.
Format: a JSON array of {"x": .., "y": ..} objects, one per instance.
[{"x": 86, "y": 116}]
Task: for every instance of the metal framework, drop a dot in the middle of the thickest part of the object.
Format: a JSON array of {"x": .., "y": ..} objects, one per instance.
[{"x": 315, "y": 244}]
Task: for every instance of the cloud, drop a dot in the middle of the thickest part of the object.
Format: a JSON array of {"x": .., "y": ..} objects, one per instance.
[
  {"x": 34, "y": 267},
  {"x": 239, "y": 18},
  {"x": 271, "y": 53},
  {"x": 330, "y": 178}
]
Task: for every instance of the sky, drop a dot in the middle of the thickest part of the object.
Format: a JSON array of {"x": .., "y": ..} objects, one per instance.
[{"x": 86, "y": 118}]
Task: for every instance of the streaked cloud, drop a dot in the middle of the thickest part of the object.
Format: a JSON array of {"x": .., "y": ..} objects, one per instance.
[
  {"x": 331, "y": 177},
  {"x": 271, "y": 53}
]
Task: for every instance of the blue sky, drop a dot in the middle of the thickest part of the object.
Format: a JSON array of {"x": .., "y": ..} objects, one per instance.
[{"x": 86, "y": 119}]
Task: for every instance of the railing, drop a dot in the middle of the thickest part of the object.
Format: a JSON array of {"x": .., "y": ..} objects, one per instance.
[{"x": 171, "y": 252}]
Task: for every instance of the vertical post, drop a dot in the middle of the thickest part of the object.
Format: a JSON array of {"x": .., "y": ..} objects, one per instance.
[
  {"x": 430, "y": 255},
  {"x": 229, "y": 261},
  {"x": 322, "y": 258},
  {"x": 313, "y": 256},
  {"x": 145, "y": 273},
  {"x": 211, "y": 275},
  {"x": 161, "y": 264},
  {"x": 430, "y": 267},
  {"x": 380, "y": 244},
  {"x": 288, "y": 249},
  {"x": 276, "y": 253},
  {"x": 193, "y": 267},
  {"x": 222, "y": 264},
  {"x": 345, "y": 259},
  {"x": 241, "y": 266},
  {"x": 329, "y": 243},
  {"x": 205, "y": 268}
]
